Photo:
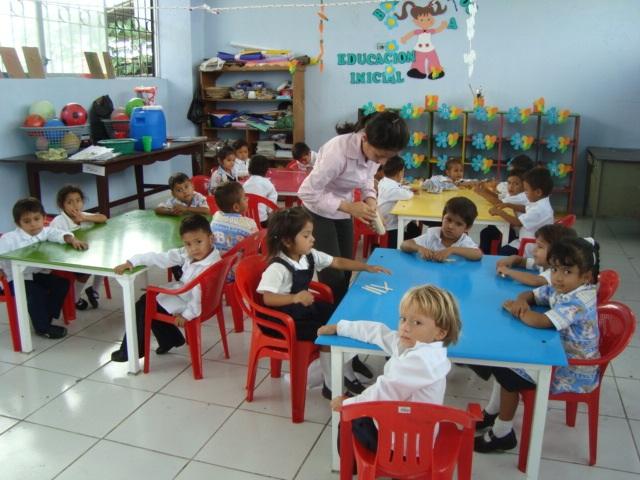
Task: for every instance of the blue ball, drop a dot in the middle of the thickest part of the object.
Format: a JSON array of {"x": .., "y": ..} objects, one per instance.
[{"x": 54, "y": 136}]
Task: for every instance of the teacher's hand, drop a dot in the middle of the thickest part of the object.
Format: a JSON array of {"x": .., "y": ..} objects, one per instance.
[{"x": 362, "y": 211}]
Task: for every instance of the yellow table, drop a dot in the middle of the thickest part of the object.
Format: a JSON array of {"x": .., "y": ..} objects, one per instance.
[{"x": 429, "y": 206}]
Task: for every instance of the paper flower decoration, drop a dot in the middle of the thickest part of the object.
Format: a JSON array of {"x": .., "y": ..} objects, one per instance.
[
  {"x": 564, "y": 168},
  {"x": 516, "y": 141},
  {"x": 563, "y": 143},
  {"x": 441, "y": 162},
  {"x": 435, "y": 72},
  {"x": 388, "y": 6},
  {"x": 408, "y": 159},
  {"x": 406, "y": 111},
  {"x": 558, "y": 169},
  {"x": 552, "y": 116},
  {"x": 417, "y": 159},
  {"x": 553, "y": 143},
  {"x": 455, "y": 113},
  {"x": 538, "y": 105},
  {"x": 487, "y": 163},
  {"x": 442, "y": 139},
  {"x": 417, "y": 111},
  {"x": 368, "y": 108},
  {"x": 380, "y": 107},
  {"x": 478, "y": 141},
  {"x": 452, "y": 139},
  {"x": 391, "y": 22},
  {"x": 432, "y": 102},
  {"x": 480, "y": 114},
  {"x": 391, "y": 46},
  {"x": 527, "y": 141},
  {"x": 525, "y": 113},
  {"x": 477, "y": 162},
  {"x": 490, "y": 141},
  {"x": 416, "y": 139},
  {"x": 513, "y": 115},
  {"x": 491, "y": 113},
  {"x": 444, "y": 111},
  {"x": 563, "y": 115}
]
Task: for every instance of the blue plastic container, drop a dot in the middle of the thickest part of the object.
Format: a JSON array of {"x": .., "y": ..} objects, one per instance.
[{"x": 148, "y": 121}]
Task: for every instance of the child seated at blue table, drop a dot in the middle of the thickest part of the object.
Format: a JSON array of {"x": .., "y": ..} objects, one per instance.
[
  {"x": 418, "y": 367},
  {"x": 184, "y": 199},
  {"x": 285, "y": 283},
  {"x": 45, "y": 291},
  {"x": 438, "y": 243},
  {"x": 571, "y": 298},
  {"x": 197, "y": 254},
  {"x": 545, "y": 237}
]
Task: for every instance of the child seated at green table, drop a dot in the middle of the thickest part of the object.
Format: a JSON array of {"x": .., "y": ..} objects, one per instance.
[
  {"x": 197, "y": 254},
  {"x": 224, "y": 173},
  {"x": 45, "y": 291},
  {"x": 418, "y": 365},
  {"x": 184, "y": 199},
  {"x": 229, "y": 226},
  {"x": 70, "y": 200},
  {"x": 572, "y": 310},
  {"x": 546, "y": 237},
  {"x": 438, "y": 243}
]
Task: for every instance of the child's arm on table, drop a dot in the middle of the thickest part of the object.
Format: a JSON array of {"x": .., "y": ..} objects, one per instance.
[
  {"x": 520, "y": 308},
  {"x": 181, "y": 210},
  {"x": 92, "y": 217},
  {"x": 511, "y": 219},
  {"x": 410, "y": 246},
  {"x": 70, "y": 239},
  {"x": 341, "y": 263},
  {"x": 162, "y": 210},
  {"x": 486, "y": 194},
  {"x": 516, "y": 207},
  {"x": 465, "y": 252},
  {"x": 163, "y": 260},
  {"x": 526, "y": 278}
]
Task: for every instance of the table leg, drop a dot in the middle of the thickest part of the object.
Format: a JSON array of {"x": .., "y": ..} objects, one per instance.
[
  {"x": 596, "y": 206},
  {"x": 20, "y": 292},
  {"x": 336, "y": 390},
  {"x": 129, "y": 301},
  {"x": 539, "y": 419},
  {"x": 33, "y": 178},
  {"x": 139, "y": 185},
  {"x": 401, "y": 226},
  {"x": 102, "y": 187}
]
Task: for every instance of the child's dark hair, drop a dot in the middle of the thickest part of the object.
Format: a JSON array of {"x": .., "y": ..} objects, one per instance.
[
  {"x": 516, "y": 172},
  {"x": 299, "y": 150},
  {"x": 432, "y": 8},
  {"x": 462, "y": 207},
  {"x": 539, "y": 178},
  {"x": 223, "y": 153},
  {"x": 384, "y": 130},
  {"x": 177, "y": 179},
  {"x": 451, "y": 162},
  {"x": 258, "y": 165},
  {"x": 393, "y": 166},
  {"x": 521, "y": 162},
  {"x": 194, "y": 223},
  {"x": 227, "y": 195},
  {"x": 285, "y": 225},
  {"x": 579, "y": 252},
  {"x": 554, "y": 233},
  {"x": 26, "y": 205},
  {"x": 239, "y": 143},
  {"x": 65, "y": 191}
]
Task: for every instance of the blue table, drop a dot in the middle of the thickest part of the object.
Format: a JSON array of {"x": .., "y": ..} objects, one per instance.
[{"x": 490, "y": 335}]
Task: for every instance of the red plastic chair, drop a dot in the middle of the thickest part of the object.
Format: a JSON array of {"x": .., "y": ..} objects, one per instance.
[
  {"x": 608, "y": 282},
  {"x": 363, "y": 231},
  {"x": 405, "y": 440},
  {"x": 299, "y": 353},
  {"x": 200, "y": 184},
  {"x": 213, "y": 206},
  {"x": 253, "y": 210},
  {"x": 569, "y": 221},
  {"x": 211, "y": 283},
  {"x": 69, "y": 305},
  {"x": 12, "y": 313},
  {"x": 249, "y": 246},
  {"x": 617, "y": 324},
  {"x": 292, "y": 165}
]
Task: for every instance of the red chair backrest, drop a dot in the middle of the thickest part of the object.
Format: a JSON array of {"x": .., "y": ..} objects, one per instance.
[
  {"x": 248, "y": 275},
  {"x": 250, "y": 245},
  {"x": 292, "y": 165},
  {"x": 617, "y": 323},
  {"x": 212, "y": 282},
  {"x": 406, "y": 432},
  {"x": 608, "y": 282},
  {"x": 254, "y": 201},
  {"x": 200, "y": 184},
  {"x": 213, "y": 206},
  {"x": 569, "y": 221}
]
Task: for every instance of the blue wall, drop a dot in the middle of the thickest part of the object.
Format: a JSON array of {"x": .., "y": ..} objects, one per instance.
[{"x": 581, "y": 55}]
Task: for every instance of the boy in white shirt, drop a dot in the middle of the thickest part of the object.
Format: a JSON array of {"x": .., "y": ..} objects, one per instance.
[
  {"x": 259, "y": 184},
  {"x": 45, "y": 292},
  {"x": 454, "y": 173},
  {"x": 197, "y": 254},
  {"x": 418, "y": 365},
  {"x": 450, "y": 239},
  {"x": 241, "y": 162},
  {"x": 538, "y": 185},
  {"x": 303, "y": 157},
  {"x": 184, "y": 199}
]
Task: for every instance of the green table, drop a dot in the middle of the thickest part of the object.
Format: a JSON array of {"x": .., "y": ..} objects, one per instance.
[{"x": 110, "y": 244}]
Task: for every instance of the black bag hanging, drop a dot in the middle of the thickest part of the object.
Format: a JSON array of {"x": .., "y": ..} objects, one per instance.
[
  {"x": 196, "y": 113},
  {"x": 102, "y": 107}
]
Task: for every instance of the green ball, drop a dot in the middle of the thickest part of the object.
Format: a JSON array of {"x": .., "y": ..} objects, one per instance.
[
  {"x": 44, "y": 108},
  {"x": 133, "y": 103}
]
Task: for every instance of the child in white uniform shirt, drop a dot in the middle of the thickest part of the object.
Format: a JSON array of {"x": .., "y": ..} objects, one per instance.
[
  {"x": 450, "y": 239},
  {"x": 184, "y": 199},
  {"x": 45, "y": 291},
  {"x": 241, "y": 162},
  {"x": 197, "y": 254},
  {"x": 259, "y": 184},
  {"x": 70, "y": 200},
  {"x": 454, "y": 173},
  {"x": 285, "y": 283},
  {"x": 418, "y": 367}
]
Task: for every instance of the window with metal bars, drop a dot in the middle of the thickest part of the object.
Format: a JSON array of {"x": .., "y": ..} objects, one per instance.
[{"x": 64, "y": 29}]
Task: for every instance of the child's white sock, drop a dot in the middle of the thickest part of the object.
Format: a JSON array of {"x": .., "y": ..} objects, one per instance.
[
  {"x": 314, "y": 375},
  {"x": 97, "y": 280},
  {"x": 502, "y": 428},
  {"x": 325, "y": 364},
  {"x": 493, "y": 406},
  {"x": 79, "y": 287}
]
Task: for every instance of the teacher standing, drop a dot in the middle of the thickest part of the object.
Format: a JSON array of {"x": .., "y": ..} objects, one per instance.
[{"x": 347, "y": 162}]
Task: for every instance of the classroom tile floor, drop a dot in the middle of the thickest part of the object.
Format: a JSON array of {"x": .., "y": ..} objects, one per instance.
[{"x": 67, "y": 412}]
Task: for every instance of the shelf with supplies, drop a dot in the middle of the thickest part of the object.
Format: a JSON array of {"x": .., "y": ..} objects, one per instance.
[{"x": 292, "y": 107}]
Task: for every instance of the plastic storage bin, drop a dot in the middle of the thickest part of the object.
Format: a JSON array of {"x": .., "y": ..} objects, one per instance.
[{"x": 148, "y": 121}]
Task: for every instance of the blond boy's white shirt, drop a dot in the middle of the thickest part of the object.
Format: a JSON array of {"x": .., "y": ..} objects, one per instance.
[{"x": 390, "y": 192}]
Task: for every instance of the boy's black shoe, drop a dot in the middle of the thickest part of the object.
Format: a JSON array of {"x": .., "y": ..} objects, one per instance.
[
  {"x": 354, "y": 386},
  {"x": 122, "y": 356},
  {"x": 81, "y": 304},
  {"x": 487, "y": 421},
  {"x": 93, "y": 296},
  {"x": 53, "y": 332},
  {"x": 508, "y": 442},
  {"x": 165, "y": 349},
  {"x": 359, "y": 367}
]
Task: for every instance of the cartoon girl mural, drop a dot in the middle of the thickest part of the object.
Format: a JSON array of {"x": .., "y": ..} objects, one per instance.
[{"x": 425, "y": 51}]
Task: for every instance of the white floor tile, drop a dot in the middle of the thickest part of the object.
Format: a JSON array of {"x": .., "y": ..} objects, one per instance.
[
  {"x": 464, "y": 382},
  {"x": 164, "y": 368},
  {"x": 198, "y": 471},
  {"x": 75, "y": 356},
  {"x": 185, "y": 427},
  {"x": 317, "y": 466},
  {"x": 635, "y": 430},
  {"x": 107, "y": 329},
  {"x": 34, "y": 452},
  {"x": 630, "y": 392},
  {"x": 270, "y": 445},
  {"x": 90, "y": 408},
  {"x": 109, "y": 460},
  {"x": 6, "y": 423},
  {"x": 210, "y": 337},
  {"x": 23, "y": 390},
  {"x": 239, "y": 346},
  {"x": 5, "y": 367},
  {"x": 39, "y": 344},
  {"x": 85, "y": 319},
  {"x": 223, "y": 384},
  {"x": 626, "y": 364}
]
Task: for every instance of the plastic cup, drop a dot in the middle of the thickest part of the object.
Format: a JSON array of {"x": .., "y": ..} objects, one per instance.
[{"x": 146, "y": 143}]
